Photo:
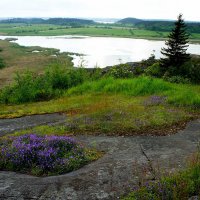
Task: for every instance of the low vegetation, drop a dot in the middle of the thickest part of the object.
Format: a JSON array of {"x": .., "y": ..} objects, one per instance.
[
  {"x": 43, "y": 155},
  {"x": 15, "y": 58},
  {"x": 180, "y": 185},
  {"x": 29, "y": 87},
  {"x": 117, "y": 106}
]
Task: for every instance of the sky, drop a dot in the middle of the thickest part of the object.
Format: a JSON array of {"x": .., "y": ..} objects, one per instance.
[{"x": 143, "y": 9}]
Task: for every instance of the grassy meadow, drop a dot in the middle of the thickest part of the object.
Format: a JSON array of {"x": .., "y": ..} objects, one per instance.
[{"x": 106, "y": 31}]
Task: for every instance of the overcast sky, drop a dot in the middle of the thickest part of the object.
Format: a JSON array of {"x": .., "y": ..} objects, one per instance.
[{"x": 145, "y": 9}]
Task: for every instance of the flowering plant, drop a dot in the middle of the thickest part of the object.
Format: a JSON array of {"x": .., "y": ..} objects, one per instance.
[{"x": 41, "y": 155}]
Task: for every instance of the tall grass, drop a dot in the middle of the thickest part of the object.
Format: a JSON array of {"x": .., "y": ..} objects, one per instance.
[
  {"x": 135, "y": 87},
  {"x": 177, "y": 94}
]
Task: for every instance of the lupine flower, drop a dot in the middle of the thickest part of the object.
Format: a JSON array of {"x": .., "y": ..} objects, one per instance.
[{"x": 47, "y": 153}]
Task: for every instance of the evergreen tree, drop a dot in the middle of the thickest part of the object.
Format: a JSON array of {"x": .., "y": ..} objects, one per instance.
[{"x": 175, "y": 52}]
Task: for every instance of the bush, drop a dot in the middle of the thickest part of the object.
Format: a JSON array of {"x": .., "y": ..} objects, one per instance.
[
  {"x": 187, "y": 72},
  {"x": 177, "y": 79},
  {"x": 120, "y": 71},
  {"x": 150, "y": 61},
  {"x": 41, "y": 155},
  {"x": 63, "y": 78},
  {"x": 195, "y": 73},
  {"x": 30, "y": 87},
  {"x": 2, "y": 64},
  {"x": 154, "y": 70}
]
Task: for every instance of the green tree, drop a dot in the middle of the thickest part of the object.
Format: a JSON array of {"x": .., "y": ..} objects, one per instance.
[{"x": 175, "y": 53}]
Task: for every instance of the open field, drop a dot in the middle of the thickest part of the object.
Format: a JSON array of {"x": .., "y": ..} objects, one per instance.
[
  {"x": 110, "y": 31},
  {"x": 19, "y": 59}
]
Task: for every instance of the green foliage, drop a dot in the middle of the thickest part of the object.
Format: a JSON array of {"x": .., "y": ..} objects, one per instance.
[
  {"x": 30, "y": 87},
  {"x": 154, "y": 70},
  {"x": 177, "y": 79},
  {"x": 148, "y": 62},
  {"x": 190, "y": 72},
  {"x": 175, "y": 52},
  {"x": 120, "y": 71},
  {"x": 96, "y": 73},
  {"x": 136, "y": 86},
  {"x": 195, "y": 70},
  {"x": 179, "y": 95},
  {"x": 2, "y": 63},
  {"x": 63, "y": 78}
]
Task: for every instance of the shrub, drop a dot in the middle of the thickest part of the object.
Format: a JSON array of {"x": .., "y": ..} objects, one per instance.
[
  {"x": 96, "y": 73},
  {"x": 195, "y": 73},
  {"x": 63, "y": 78},
  {"x": 120, "y": 71},
  {"x": 177, "y": 79},
  {"x": 2, "y": 64},
  {"x": 41, "y": 155},
  {"x": 154, "y": 70},
  {"x": 30, "y": 87},
  {"x": 148, "y": 62}
]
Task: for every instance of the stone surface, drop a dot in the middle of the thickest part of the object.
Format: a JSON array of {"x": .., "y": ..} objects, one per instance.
[
  {"x": 125, "y": 163},
  {"x": 11, "y": 125}
]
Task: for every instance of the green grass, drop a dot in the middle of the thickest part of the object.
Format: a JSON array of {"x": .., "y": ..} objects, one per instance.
[
  {"x": 118, "y": 106},
  {"x": 53, "y": 30},
  {"x": 177, "y": 94},
  {"x": 134, "y": 86}
]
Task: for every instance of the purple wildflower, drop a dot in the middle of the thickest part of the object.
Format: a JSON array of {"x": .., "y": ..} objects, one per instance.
[{"x": 47, "y": 153}]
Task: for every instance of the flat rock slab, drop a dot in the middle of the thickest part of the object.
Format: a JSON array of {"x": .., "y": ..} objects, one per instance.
[
  {"x": 116, "y": 173},
  {"x": 11, "y": 125}
]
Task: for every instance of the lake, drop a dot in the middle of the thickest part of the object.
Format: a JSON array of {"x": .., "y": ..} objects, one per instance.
[{"x": 100, "y": 51}]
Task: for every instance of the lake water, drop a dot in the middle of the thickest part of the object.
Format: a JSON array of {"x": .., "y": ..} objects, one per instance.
[{"x": 100, "y": 51}]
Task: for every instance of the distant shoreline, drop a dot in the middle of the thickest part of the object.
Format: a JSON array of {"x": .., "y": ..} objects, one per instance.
[{"x": 191, "y": 41}]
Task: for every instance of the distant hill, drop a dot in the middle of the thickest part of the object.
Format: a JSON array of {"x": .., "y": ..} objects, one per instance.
[
  {"x": 129, "y": 20},
  {"x": 55, "y": 21},
  {"x": 158, "y": 25}
]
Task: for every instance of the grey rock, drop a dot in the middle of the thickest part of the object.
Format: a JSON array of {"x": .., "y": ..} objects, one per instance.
[{"x": 122, "y": 167}]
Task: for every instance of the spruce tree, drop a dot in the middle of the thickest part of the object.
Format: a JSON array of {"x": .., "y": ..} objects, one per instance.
[{"x": 175, "y": 53}]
